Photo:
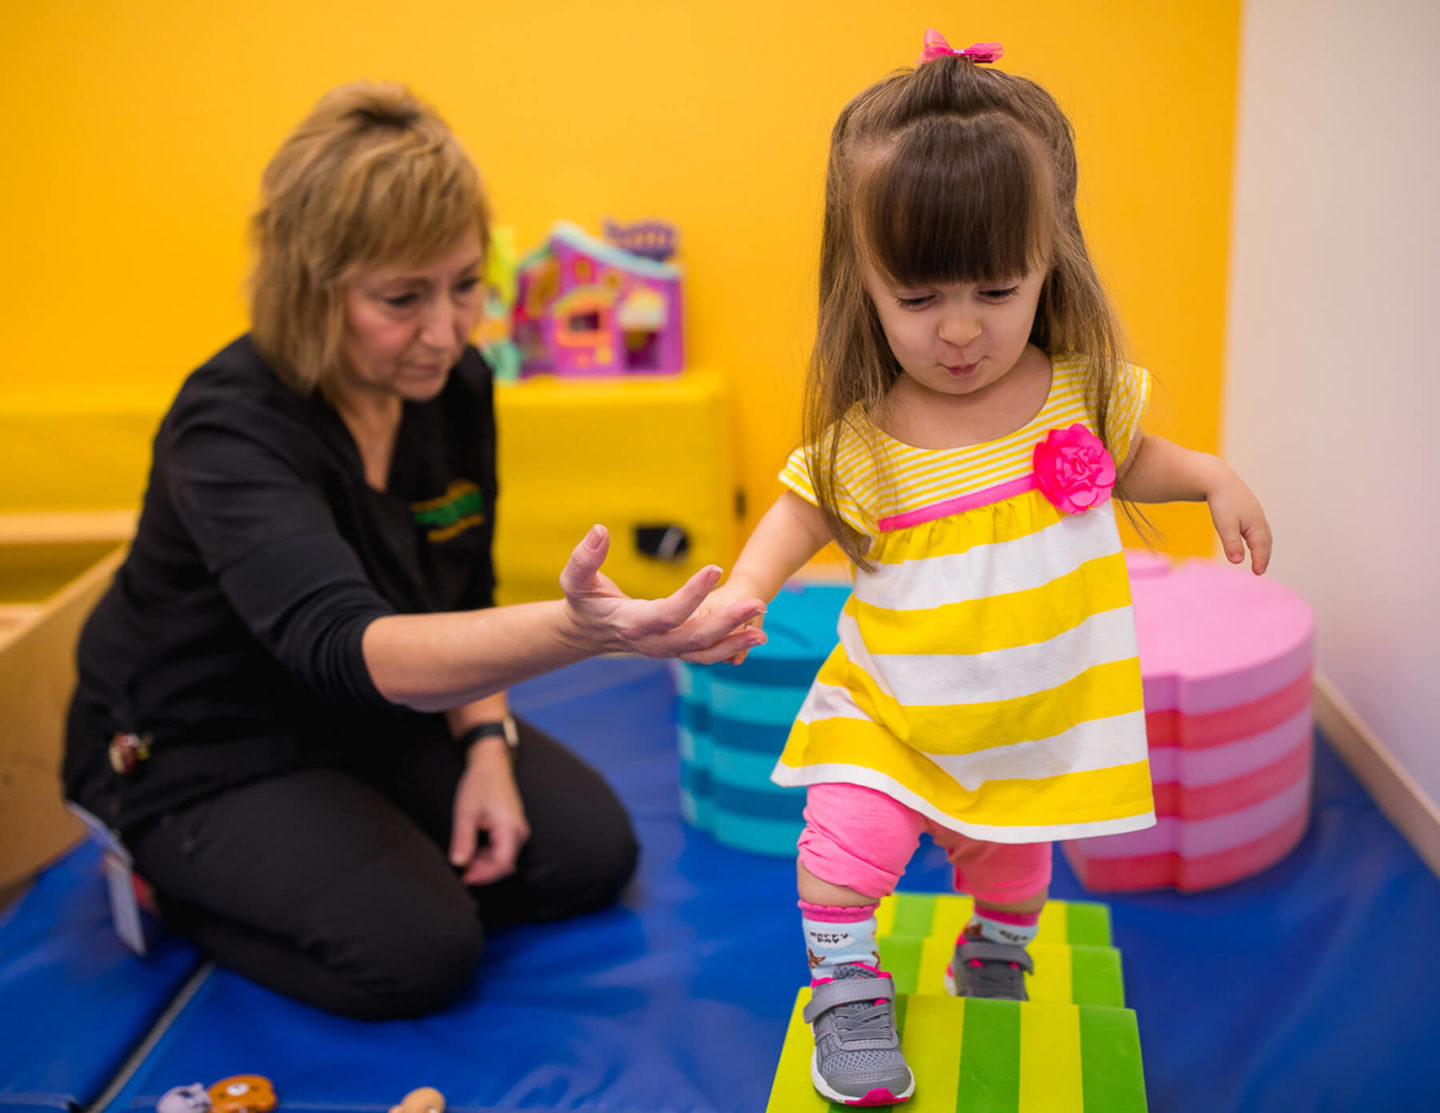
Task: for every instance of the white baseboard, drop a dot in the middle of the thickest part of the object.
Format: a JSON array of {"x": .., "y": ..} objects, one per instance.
[{"x": 1396, "y": 792}]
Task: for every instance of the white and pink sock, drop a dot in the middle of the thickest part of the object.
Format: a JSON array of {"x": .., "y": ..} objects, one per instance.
[
  {"x": 835, "y": 936},
  {"x": 996, "y": 926}
]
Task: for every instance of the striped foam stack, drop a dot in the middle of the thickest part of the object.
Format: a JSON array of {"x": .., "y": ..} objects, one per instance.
[
  {"x": 734, "y": 720},
  {"x": 1226, "y": 658}
]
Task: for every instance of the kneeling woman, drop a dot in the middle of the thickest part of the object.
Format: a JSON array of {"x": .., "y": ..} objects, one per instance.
[{"x": 291, "y": 701}]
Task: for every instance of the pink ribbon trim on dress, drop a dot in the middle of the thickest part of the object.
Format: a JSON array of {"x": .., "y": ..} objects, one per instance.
[
  {"x": 937, "y": 47},
  {"x": 998, "y": 493}
]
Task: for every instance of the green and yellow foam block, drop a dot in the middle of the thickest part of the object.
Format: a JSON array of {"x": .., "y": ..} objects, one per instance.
[{"x": 1072, "y": 1048}]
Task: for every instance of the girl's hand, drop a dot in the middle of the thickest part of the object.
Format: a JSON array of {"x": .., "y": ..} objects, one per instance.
[
  {"x": 602, "y": 617},
  {"x": 487, "y": 800},
  {"x": 1240, "y": 521},
  {"x": 726, "y": 597}
]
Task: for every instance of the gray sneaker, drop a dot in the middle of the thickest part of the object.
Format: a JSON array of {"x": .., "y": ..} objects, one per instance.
[
  {"x": 857, "y": 1058},
  {"x": 981, "y": 968}
]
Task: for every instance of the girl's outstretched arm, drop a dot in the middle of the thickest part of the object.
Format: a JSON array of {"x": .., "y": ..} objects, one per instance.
[
  {"x": 1158, "y": 470},
  {"x": 791, "y": 532}
]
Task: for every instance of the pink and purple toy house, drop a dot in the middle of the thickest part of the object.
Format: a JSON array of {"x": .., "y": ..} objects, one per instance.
[{"x": 587, "y": 307}]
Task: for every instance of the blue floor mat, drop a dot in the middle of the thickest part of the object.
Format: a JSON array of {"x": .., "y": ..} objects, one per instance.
[
  {"x": 73, "y": 1001},
  {"x": 1314, "y": 986}
]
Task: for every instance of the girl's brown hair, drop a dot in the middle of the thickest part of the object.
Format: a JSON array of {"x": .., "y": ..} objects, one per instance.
[
  {"x": 945, "y": 173},
  {"x": 373, "y": 176}
]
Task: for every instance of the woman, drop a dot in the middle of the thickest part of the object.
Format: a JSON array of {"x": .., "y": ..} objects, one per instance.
[{"x": 291, "y": 702}]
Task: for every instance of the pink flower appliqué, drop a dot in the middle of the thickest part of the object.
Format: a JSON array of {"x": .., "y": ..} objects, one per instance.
[{"x": 1073, "y": 469}]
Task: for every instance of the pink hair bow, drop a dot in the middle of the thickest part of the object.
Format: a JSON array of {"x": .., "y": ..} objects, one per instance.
[{"x": 937, "y": 47}]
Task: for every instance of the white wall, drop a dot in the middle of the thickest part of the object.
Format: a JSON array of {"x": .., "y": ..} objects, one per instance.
[{"x": 1332, "y": 358}]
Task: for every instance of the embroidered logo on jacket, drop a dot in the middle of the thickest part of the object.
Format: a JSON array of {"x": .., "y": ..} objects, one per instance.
[{"x": 461, "y": 507}]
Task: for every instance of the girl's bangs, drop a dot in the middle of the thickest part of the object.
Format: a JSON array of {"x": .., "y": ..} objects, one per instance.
[{"x": 954, "y": 199}]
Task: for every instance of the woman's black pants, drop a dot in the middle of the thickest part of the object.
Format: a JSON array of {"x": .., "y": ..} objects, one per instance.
[{"x": 334, "y": 887}]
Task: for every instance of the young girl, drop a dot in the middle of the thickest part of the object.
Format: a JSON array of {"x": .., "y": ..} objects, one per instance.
[{"x": 967, "y": 417}]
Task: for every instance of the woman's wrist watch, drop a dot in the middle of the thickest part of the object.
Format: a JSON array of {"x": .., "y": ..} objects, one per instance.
[{"x": 493, "y": 728}]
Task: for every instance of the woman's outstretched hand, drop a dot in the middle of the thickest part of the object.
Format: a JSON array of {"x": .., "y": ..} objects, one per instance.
[{"x": 604, "y": 618}]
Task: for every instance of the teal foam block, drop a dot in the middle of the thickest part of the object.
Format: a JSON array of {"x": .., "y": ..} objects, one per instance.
[{"x": 734, "y": 719}]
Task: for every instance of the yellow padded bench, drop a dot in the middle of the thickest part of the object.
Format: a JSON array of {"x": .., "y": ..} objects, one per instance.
[{"x": 635, "y": 453}]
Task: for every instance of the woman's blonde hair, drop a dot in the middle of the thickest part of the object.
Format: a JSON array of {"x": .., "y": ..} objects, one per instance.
[
  {"x": 373, "y": 176},
  {"x": 945, "y": 173}
]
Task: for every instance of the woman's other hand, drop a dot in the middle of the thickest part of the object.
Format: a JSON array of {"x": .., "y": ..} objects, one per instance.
[
  {"x": 604, "y": 618},
  {"x": 487, "y": 800}
]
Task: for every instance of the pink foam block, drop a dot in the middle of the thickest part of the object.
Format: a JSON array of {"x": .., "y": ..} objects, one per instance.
[
  {"x": 1212, "y": 801},
  {"x": 1155, "y": 871},
  {"x": 1196, "y": 838},
  {"x": 1213, "y": 637},
  {"x": 1218, "y": 728},
  {"x": 1226, "y": 662},
  {"x": 1233, "y": 775}
]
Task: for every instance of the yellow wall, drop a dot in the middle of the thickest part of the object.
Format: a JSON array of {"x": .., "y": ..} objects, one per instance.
[{"x": 137, "y": 131}]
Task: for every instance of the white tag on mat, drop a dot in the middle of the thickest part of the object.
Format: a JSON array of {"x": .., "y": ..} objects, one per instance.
[
  {"x": 124, "y": 905},
  {"x": 120, "y": 880}
]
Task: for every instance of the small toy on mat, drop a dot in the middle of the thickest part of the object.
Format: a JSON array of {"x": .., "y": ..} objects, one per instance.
[
  {"x": 243, "y": 1093},
  {"x": 185, "y": 1099},
  {"x": 426, "y": 1099},
  {"x": 240, "y": 1093}
]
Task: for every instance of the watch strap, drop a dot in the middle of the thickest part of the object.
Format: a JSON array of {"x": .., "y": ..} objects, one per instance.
[{"x": 493, "y": 728}]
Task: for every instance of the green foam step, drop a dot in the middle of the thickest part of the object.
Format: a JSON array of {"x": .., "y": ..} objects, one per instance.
[
  {"x": 1064, "y": 973},
  {"x": 1074, "y": 961},
  {"x": 979, "y": 1056},
  {"x": 921, "y": 915}
]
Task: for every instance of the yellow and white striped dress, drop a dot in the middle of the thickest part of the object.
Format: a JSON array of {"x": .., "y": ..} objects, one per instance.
[{"x": 987, "y": 673}]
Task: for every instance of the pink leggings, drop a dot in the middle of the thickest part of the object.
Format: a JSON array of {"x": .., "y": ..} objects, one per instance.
[{"x": 863, "y": 839}]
